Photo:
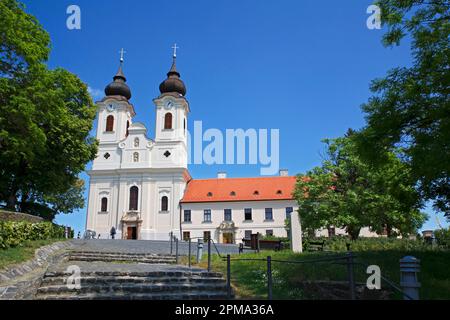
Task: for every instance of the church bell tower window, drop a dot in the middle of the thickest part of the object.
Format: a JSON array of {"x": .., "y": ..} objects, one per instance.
[
  {"x": 168, "y": 121},
  {"x": 110, "y": 124}
]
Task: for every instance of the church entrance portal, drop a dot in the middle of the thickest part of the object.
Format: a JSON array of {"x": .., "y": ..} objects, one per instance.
[
  {"x": 131, "y": 226},
  {"x": 228, "y": 238},
  {"x": 132, "y": 233}
]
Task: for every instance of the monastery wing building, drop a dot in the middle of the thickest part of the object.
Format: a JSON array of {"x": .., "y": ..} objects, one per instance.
[{"x": 142, "y": 186}]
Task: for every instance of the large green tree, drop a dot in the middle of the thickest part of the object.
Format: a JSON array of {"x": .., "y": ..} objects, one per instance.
[
  {"x": 410, "y": 107},
  {"x": 347, "y": 192},
  {"x": 45, "y": 120}
]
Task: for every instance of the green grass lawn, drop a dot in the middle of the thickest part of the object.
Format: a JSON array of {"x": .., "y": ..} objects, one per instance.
[
  {"x": 250, "y": 281},
  {"x": 22, "y": 253}
]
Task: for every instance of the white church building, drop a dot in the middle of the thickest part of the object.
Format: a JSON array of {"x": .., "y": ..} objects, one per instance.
[{"x": 142, "y": 186}]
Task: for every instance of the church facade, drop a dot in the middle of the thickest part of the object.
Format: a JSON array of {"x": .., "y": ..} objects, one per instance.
[{"x": 142, "y": 186}]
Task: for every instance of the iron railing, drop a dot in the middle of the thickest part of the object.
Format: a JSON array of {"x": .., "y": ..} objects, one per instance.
[{"x": 348, "y": 259}]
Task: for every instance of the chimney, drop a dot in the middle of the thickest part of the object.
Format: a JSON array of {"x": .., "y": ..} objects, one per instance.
[
  {"x": 221, "y": 175},
  {"x": 284, "y": 172}
]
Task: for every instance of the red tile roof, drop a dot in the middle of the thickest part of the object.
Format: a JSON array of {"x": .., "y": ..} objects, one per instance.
[{"x": 245, "y": 189}]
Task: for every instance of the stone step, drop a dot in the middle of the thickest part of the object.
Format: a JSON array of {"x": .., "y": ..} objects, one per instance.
[
  {"x": 146, "y": 274},
  {"x": 119, "y": 254},
  {"x": 147, "y": 296},
  {"x": 117, "y": 288},
  {"x": 122, "y": 259},
  {"x": 49, "y": 281}
]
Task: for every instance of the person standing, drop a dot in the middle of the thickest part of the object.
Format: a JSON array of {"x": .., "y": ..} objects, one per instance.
[{"x": 113, "y": 232}]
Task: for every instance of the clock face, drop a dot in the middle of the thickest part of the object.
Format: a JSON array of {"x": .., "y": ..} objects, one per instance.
[
  {"x": 169, "y": 104},
  {"x": 110, "y": 107}
]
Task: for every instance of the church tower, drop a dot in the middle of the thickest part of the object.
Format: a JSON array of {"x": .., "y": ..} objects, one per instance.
[
  {"x": 115, "y": 114},
  {"x": 172, "y": 110},
  {"x": 136, "y": 183}
]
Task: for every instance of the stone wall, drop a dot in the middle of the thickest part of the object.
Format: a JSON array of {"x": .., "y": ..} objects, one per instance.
[
  {"x": 17, "y": 216},
  {"x": 21, "y": 281}
]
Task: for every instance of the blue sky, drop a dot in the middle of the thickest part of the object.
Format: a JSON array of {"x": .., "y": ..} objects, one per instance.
[{"x": 303, "y": 67}]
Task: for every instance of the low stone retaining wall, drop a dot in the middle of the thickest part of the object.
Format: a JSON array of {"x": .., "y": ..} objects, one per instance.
[
  {"x": 18, "y": 216},
  {"x": 21, "y": 281}
]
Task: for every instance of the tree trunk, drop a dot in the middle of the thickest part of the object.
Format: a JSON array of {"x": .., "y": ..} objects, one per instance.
[
  {"x": 353, "y": 232},
  {"x": 12, "y": 201},
  {"x": 389, "y": 231}
]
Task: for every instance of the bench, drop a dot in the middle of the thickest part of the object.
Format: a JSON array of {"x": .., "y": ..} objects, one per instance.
[
  {"x": 263, "y": 245},
  {"x": 270, "y": 245},
  {"x": 316, "y": 245}
]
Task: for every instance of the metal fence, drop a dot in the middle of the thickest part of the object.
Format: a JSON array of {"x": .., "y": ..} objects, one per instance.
[{"x": 409, "y": 268}]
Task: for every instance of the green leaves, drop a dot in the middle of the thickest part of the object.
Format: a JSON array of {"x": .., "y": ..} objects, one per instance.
[
  {"x": 45, "y": 120},
  {"x": 410, "y": 107},
  {"x": 347, "y": 192},
  {"x": 23, "y": 41},
  {"x": 15, "y": 233}
]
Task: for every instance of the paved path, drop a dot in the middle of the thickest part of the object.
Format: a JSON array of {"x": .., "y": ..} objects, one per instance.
[
  {"x": 148, "y": 246},
  {"x": 132, "y": 268}
]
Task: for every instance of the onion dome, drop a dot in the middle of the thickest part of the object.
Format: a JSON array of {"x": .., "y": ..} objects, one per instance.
[
  {"x": 173, "y": 83},
  {"x": 118, "y": 87}
]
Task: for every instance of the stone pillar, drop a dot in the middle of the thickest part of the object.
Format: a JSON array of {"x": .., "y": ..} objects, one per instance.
[
  {"x": 409, "y": 268},
  {"x": 296, "y": 233}
]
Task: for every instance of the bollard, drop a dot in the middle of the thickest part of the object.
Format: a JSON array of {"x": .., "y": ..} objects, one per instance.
[
  {"x": 228, "y": 276},
  {"x": 409, "y": 269},
  {"x": 351, "y": 276},
  {"x": 189, "y": 255},
  {"x": 269, "y": 278},
  {"x": 209, "y": 254},
  {"x": 199, "y": 250},
  {"x": 176, "y": 250}
]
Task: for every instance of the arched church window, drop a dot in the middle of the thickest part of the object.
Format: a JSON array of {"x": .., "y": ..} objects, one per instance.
[
  {"x": 104, "y": 206},
  {"x": 128, "y": 125},
  {"x": 110, "y": 124},
  {"x": 134, "y": 194},
  {"x": 136, "y": 157},
  {"x": 164, "y": 203},
  {"x": 136, "y": 142},
  {"x": 168, "y": 121}
]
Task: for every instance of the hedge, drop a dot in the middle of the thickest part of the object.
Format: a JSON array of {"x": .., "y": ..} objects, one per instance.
[
  {"x": 14, "y": 233},
  {"x": 339, "y": 244}
]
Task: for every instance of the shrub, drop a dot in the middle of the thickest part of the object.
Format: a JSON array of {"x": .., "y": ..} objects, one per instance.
[
  {"x": 339, "y": 244},
  {"x": 15, "y": 233},
  {"x": 443, "y": 237}
]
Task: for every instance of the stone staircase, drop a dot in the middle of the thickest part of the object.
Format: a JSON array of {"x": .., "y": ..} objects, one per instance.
[
  {"x": 157, "y": 285},
  {"x": 129, "y": 276},
  {"x": 92, "y": 256}
]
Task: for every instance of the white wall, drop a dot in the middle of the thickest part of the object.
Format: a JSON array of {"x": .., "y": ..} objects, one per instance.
[{"x": 197, "y": 226}]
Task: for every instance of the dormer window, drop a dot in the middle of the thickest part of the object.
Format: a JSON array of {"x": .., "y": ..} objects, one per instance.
[
  {"x": 279, "y": 192},
  {"x": 232, "y": 193},
  {"x": 209, "y": 194},
  {"x": 256, "y": 193}
]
